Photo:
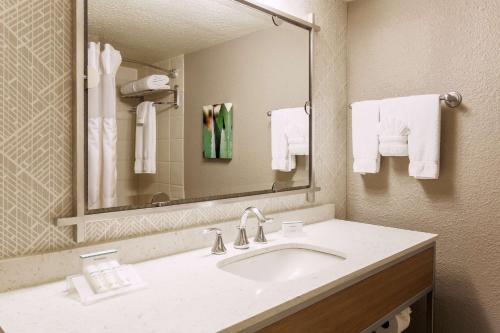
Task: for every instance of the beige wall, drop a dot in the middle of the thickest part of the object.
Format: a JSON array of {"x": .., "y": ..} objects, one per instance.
[
  {"x": 263, "y": 71},
  {"x": 432, "y": 46},
  {"x": 35, "y": 139}
]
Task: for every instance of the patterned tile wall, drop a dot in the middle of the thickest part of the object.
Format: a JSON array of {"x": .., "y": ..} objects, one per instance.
[
  {"x": 35, "y": 124},
  {"x": 36, "y": 116}
]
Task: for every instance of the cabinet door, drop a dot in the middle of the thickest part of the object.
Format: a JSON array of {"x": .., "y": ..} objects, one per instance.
[{"x": 355, "y": 308}]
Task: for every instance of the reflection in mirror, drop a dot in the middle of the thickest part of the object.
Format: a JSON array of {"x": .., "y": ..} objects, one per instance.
[{"x": 193, "y": 100}]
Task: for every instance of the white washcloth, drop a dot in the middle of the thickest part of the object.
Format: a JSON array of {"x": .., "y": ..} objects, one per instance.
[
  {"x": 150, "y": 82},
  {"x": 297, "y": 132},
  {"x": 145, "y": 138},
  {"x": 365, "y": 120},
  {"x": 393, "y": 128},
  {"x": 424, "y": 118},
  {"x": 281, "y": 121}
]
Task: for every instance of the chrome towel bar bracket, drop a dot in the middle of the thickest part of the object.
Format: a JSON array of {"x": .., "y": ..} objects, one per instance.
[
  {"x": 451, "y": 99},
  {"x": 307, "y": 109}
]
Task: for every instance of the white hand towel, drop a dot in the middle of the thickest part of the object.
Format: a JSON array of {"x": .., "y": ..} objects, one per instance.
[
  {"x": 140, "y": 114},
  {"x": 424, "y": 117},
  {"x": 282, "y": 160},
  {"x": 145, "y": 138},
  {"x": 365, "y": 120},
  {"x": 150, "y": 82},
  {"x": 393, "y": 128},
  {"x": 150, "y": 139},
  {"x": 297, "y": 132}
]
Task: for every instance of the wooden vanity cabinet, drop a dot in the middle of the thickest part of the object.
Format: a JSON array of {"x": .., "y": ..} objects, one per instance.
[{"x": 357, "y": 307}]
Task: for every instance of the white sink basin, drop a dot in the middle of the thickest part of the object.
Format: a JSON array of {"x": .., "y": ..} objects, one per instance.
[{"x": 281, "y": 262}]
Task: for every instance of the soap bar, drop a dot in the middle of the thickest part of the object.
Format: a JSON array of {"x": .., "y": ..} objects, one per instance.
[{"x": 292, "y": 228}]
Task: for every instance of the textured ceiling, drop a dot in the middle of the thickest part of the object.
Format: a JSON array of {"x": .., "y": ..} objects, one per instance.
[{"x": 154, "y": 30}]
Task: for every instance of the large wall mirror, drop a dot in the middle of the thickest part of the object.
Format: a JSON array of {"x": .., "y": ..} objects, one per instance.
[{"x": 193, "y": 100}]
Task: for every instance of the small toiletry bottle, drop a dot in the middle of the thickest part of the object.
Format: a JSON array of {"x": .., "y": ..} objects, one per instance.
[
  {"x": 95, "y": 278},
  {"x": 109, "y": 275},
  {"x": 120, "y": 273}
]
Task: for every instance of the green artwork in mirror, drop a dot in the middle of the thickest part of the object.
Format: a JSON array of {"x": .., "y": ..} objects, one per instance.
[{"x": 218, "y": 131}]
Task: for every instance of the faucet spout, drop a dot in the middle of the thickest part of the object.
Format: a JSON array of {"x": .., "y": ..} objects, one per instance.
[
  {"x": 242, "y": 241},
  {"x": 260, "y": 217}
]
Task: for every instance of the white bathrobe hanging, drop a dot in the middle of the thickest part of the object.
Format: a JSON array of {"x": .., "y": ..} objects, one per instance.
[
  {"x": 111, "y": 60},
  {"x": 94, "y": 128}
]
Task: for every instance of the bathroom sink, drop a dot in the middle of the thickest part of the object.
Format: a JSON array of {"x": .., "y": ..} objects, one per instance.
[{"x": 281, "y": 262}]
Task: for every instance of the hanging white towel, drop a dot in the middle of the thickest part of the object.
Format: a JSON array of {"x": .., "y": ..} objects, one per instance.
[
  {"x": 393, "y": 128},
  {"x": 281, "y": 121},
  {"x": 145, "y": 138},
  {"x": 140, "y": 114},
  {"x": 94, "y": 126},
  {"x": 111, "y": 60},
  {"x": 150, "y": 140},
  {"x": 365, "y": 147},
  {"x": 424, "y": 140},
  {"x": 150, "y": 82}
]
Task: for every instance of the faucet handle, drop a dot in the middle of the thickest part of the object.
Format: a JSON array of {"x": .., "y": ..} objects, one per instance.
[
  {"x": 260, "y": 237},
  {"x": 267, "y": 220},
  {"x": 241, "y": 241},
  {"x": 218, "y": 247}
]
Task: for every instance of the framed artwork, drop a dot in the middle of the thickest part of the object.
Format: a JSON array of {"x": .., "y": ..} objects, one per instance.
[{"x": 218, "y": 131}]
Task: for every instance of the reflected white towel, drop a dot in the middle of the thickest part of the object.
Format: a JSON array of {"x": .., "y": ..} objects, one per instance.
[
  {"x": 140, "y": 114},
  {"x": 145, "y": 138},
  {"x": 424, "y": 140},
  {"x": 297, "y": 132},
  {"x": 150, "y": 82},
  {"x": 365, "y": 120},
  {"x": 281, "y": 121},
  {"x": 393, "y": 128}
]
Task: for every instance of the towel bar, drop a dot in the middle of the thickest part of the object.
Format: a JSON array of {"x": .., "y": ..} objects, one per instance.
[{"x": 451, "y": 99}]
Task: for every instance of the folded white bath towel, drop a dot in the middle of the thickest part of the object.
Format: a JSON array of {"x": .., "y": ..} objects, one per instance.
[
  {"x": 393, "y": 128},
  {"x": 145, "y": 138},
  {"x": 150, "y": 82},
  {"x": 424, "y": 140},
  {"x": 365, "y": 120}
]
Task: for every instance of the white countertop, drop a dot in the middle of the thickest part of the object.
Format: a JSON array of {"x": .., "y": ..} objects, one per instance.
[{"x": 188, "y": 293}]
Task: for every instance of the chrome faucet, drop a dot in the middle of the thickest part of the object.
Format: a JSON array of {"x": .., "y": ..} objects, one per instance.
[{"x": 242, "y": 240}]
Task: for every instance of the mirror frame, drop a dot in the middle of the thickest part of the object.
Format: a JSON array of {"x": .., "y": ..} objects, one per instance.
[{"x": 81, "y": 214}]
